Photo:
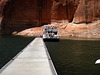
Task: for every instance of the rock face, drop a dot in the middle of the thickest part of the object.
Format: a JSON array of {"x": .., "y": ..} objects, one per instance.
[
  {"x": 22, "y": 14},
  {"x": 58, "y": 10},
  {"x": 87, "y": 11},
  {"x": 63, "y": 10},
  {"x": 2, "y": 4},
  {"x": 90, "y": 31}
]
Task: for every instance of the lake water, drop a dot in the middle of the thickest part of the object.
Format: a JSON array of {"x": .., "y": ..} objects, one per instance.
[
  {"x": 10, "y": 46},
  {"x": 75, "y": 57},
  {"x": 70, "y": 57}
]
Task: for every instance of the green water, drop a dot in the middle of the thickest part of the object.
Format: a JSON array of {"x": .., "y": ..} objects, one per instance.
[
  {"x": 10, "y": 46},
  {"x": 75, "y": 57},
  {"x": 70, "y": 57}
]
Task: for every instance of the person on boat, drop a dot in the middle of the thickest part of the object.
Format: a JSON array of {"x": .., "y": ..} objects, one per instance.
[
  {"x": 45, "y": 31},
  {"x": 50, "y": 35}
]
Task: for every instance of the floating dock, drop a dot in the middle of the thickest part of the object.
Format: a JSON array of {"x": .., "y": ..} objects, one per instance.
[{"x": 32, "y": 60}]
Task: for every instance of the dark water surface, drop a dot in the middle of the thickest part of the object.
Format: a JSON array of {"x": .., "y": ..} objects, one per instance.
[
  {"x": 10, "y": 46},
  {"x": 75, "y": 57},
  {"x": 70, "y": 57}
]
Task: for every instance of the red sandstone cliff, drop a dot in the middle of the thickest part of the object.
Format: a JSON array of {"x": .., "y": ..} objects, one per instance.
[
  {"x": 2, "y": 4},
  {"x": 22, "y": 14},
  {"x": 87, "y": 11}
]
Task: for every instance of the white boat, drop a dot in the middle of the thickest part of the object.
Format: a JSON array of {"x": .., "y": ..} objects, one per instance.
[
  {"x": 50, "y": 34},
  {"x": 98, "y": 61}
]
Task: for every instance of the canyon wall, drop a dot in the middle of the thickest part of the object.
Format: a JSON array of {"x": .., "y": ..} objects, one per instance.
[
  {"x": 22, "y": 14},
  {"x": 2, "y": 4},
  {"x": 87, "y": 11},
  {"x": 63, "y": 10}
]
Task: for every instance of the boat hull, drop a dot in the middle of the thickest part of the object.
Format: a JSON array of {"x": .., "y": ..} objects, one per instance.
[{"x": 51, "y": 40}]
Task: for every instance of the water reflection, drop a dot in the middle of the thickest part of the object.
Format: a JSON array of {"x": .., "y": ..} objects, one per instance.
[
  {"x": 10, "y": 46},
  {"x": 75, "y": 57}
]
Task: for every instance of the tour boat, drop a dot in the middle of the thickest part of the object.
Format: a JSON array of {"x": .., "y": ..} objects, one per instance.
[{"x": 50, "y": 34}]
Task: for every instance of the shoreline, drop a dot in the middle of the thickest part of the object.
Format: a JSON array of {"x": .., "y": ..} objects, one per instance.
[
  {"x": 66, "y": 38},
  {"x": 78, "y": 38},
  {"x": 66, "y": 31},
  {"x": 88, "y": 31}
]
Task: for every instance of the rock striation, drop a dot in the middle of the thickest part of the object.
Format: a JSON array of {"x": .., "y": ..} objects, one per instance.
[
  {"x": 22, "y": 14},
  {"x": 69, "y": 30},
  {"x": 87, "y": 11},
  {"x": 2, "y": 4}
]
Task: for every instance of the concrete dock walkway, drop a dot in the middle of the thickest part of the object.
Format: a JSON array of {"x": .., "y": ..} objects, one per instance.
[{"x": 32, "y": 60}]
